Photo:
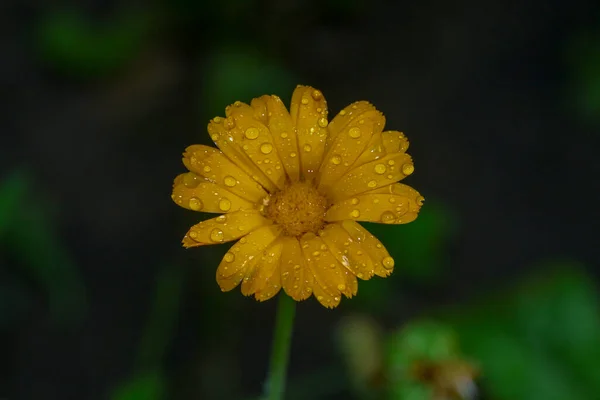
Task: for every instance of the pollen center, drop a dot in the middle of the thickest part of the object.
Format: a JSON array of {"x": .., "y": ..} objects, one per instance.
[{"x": 299, "y": 208}]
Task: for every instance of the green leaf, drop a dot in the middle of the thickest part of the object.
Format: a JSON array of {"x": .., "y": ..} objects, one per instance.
[
  {"x": 145, "y": 386},
  {"x": 12, "y": 192}
]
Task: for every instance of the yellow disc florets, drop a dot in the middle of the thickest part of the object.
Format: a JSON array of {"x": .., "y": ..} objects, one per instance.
[{"x": 299, "y": 208}]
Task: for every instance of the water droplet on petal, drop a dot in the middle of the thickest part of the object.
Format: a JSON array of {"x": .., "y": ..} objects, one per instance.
[
  {"x": 354, "y": 132},
  {"x": 372, "y": 184},
  {"x": 193, "y": 234},
  {"x": 343, "y": 112},
  {"x": 388, "y": 262},
  {"x": 388, "y": 217},
  {"x": 408, "y": 169},
  {"x": 229, "y": 257},
  {"x": 355, "y": 213},
  {"x": 317, "y": 95},
  {"x": 195, "y": 204},
  {"x": 216, "y": 235},
  {"x": 292, "y": 154},
  {"x": 206, "y": 169},
  {"x": 359, "y": 275},
  {"x": 251, "y": 133},
  {"x": 380, "y": 169},
  {"x": 341, "y": 287},
  {"x": 323, "y": 247},
  {"x": 214, "y": 137},
  {"x": 304, "y": 101},
  {"x": 266, "y": 148},
  {"x": 316, "y": 253},
  {"x": 336, "y": 160},
  {"x": 224, "y": 204},
  {"x": 355, "y": 201},
  {"x": 320, "y": 298},
  {"x": 307, "y": 148},
  {"x": 229, "y": 181},
  {"x": 323, "y": 122},
  {"x": 391, "y": 162},
  {"x": 297, "y": 267},
  {"x": 284, "y": 135}
]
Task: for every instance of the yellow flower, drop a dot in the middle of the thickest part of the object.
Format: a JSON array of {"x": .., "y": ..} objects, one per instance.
[{"x": 291, "y": 187}]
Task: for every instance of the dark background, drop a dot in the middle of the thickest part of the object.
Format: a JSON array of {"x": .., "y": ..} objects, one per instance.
[{"x": 500, "y": 100}]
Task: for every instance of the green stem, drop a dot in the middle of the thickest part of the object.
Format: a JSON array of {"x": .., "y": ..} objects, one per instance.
[{"x": 280, "y": 349}]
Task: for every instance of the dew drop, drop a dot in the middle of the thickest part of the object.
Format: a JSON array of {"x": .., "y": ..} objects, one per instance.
[
  {"x": 221, "y": 219},
  {"x": 388, "y": 217},
  {"x": 251, "y": 133},
  {"x": 266, "y": 148},
  {"x": 336, "y": 160},
  {"x": 304, "y": 101},
  {"x": 379, "y": 245},
  {"x": 354, "y": 132},
  {"x": 224, "y": 204},
  {"x": 341, "y": 287},
  {"x": 206, "y": 169},
  {"x": 193, "y": 234},
  {"x": 307, "y": 148},
  {"x": 217, "y": 120},
  {"x": 317, "y": 95},
  {"x": 355, "y": 201},
  {"x": 391, "y": 162},
  {"x": 214, "y": 137},
  {"x": 316, "y": 253},
  {"x": 195, "y": 204},
  {"x": 229, "y": 181},
  {"x": 355, "y": 213},
  {"x": 323, "y": 122},
  {"x": 320, "y": 298},
  {"x": 388, "y": 262},
  {"x": 408, "y": 169},
  {"x": 292, "y": 154},
  {"x": 359, "y": 275},
  {"x": 323, "y": 247},
  {"x": 241, "y": 228},
  {"x": 284, "y": 135},
  {"x": 216, "y": 235},
  {"x": 380, "y": 169},
  {"x": 343, "y": 112},
  {"x": 372, "y": 184}
]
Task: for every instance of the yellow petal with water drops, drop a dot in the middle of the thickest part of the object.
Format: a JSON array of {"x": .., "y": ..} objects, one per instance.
[
  {"x": 222, "y": 133},
  {"x": 296, "y": 278},
  {"x": 374, "y": 151},
  {"x": 194, "y": 193},
  {"x": 224, "y": 228},
  {"x": 213, "y": 165},
  {"x": 256, "y": 142},
  {"x": 394, "y": 142},
  {"x": 267, "y": 265},
  {"x": 382, "y": 262},
  {"x": 309, "y": 115},
  {"x": 242, "y": 256},
  {"x": 344, "y": 117},
  {"x": 326, "y": 299},
  {"x": 386, "y": 208},
  {"x": 283, "y": 131},
  {"x": 347, "y": 251},
  {"x": 329, "y": 274},
  {"x": 372, "y": 175},
  {"x": 349, "y": 144}
]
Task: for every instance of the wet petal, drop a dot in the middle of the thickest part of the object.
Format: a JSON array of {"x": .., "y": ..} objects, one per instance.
[
  {"x": 351, "y": 141},
  {"x": 388, "y": 205},
  {"x": 258, "y": 279},
  {"x": 344, "y": 117},
  {"x": 394, "y": 142},
  {"x": 240, "y": 260},
  {"x": 329, "y": 274},
  {"x": 283, "y": 131},
  {"x": 224, "y": 228},
  {"x": 296, "y": 278},
  {"x": 213, "y": 165},
  {"x": 256, "y": 142},
  {"x": 222, "y": 133},
  {"x": 347, "y": 251},
  {"x": 372, "y": 175},
  {"x": 326, "y": 299},
  {"x": 194, "y": 193},
  {"x": 309, "y": 114},
  {"x": 383, "y": 263}
]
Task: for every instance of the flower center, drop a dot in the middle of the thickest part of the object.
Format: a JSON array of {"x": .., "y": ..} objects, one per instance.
[{"x": 299, "y": 208}]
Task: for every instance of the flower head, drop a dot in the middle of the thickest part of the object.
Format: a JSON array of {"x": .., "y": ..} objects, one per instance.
[{"x": 291, "y": 187}]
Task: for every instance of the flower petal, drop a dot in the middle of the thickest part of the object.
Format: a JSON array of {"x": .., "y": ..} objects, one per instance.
[
  {"x": 256, "y": 280},
  {"x": 372, "y": 175},
  {"x": 224, "y": 228},
  {"x": 256, "y": 142},
  {"x": 213, "y": 165},
  {"x": 383, "y": 263},
  {"x": 222, "y": 133},
  {"x": 341, "y": 120},
  {"x": 329, "y": 274},
  {"x": 309, "y": 114},
  {"x": 394, "y": 204},
  {"x": 240, "y": 260},
  {"x": 394, "y": 142},
  {"x": 349, "y": 144},
  {"x": 326, "y": 299},
  {"x": 283, "y": 131},
  {"x": 347, "y": 251},
  {"x": 296, "y": 278},
  {"x": 194, "y": 193}
]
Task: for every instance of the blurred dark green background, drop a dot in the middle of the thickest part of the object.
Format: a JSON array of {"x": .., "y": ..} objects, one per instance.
[{"x": 501, "y": 103}]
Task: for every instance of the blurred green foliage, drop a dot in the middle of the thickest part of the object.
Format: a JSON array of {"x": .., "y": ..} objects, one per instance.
[
  {"x": 72, "y": 43},
  {"x": 583, "y": 58}
]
